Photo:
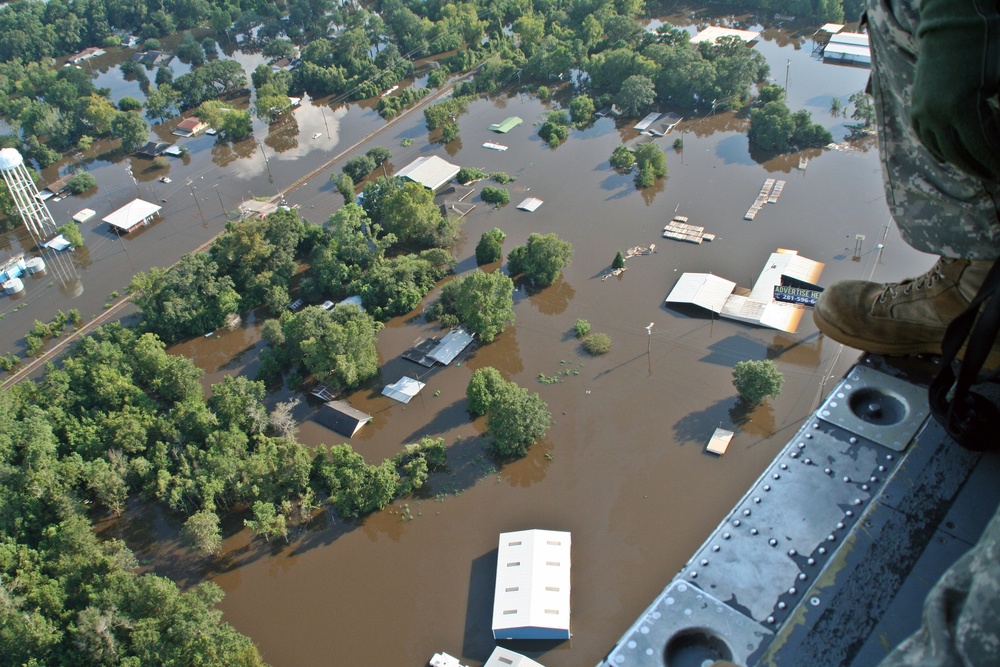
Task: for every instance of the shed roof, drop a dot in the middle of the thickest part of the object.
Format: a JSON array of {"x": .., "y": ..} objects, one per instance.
[
  {"x": 132, "y": 214},
  {"x": 430, "y": 171},
  {"x": 55, "y": 187},
  {"x": 702, "y": 289},
  {"x": 153, "y": 148},
  {"x": 532, "y": 596},
  {"x": 504, "y": 657},
  {"x": 849, "y": 52},
  {"x": 450, "y": 346},
  {"x": 403, "y": 389},
  {"x": 506, "y": 125},
  {"x": 340, "y": 417},
  {"x": 720, "y": 441},
  {"x": 647, "y": 121},
  {"x": 58, "y": 242},
  {"x": 713, "y": 33},
  {"x": 83, "y": 215},
  {"x": 530, "y": 204}
]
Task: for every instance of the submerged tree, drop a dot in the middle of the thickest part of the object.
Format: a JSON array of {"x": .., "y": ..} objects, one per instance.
[{"x": 757, "y": 380}]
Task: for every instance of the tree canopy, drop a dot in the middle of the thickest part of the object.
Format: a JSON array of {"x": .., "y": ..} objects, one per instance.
[
  {"x": 757, "y": 379},
  {"x": 541, "y": 259}
]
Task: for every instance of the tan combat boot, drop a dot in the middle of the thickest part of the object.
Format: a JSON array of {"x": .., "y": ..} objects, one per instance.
[{"x": 908, "y": 317}]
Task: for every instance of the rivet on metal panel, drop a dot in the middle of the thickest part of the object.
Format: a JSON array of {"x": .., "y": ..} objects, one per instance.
[
  {"x": 793, "y": 552},
  {"x": 802, "y": 576},
  {"x": 873, "y": 479},
  {"x": 849, "y": 513},
  {"x": 770, "y": 620},
  {"x": 810, "y": 561},
  {"x": 693, "y": 574},
  {"x": 715, "y": 547},
  {"x": 831, "y": 538},
  {"x": 808, "y": 461},
  {"x": 814, "y": 601},
  {"x": 853, "y": 440},
  {"x": 801, "y": 445},
  {"x": 773, "y": 542},
  {"x": 840, "y": 525},
  {"x": 809, "y": 436},
  {"x": 754, "y": 531},
  {"x": 794, "y": 455},
  {"x": 847, "y": 480},
  {"x": 737, "y": 522},
  {"x": 746, "y": 512},
  {"x": 704, "y": 562},
  {"x": 767, "y": 487},
  {"x": 864, "y": 487},
  {"x": 881, "y": 468},
  {"x": 784, "y": 466},
  {"x": 857, "y": 501},
  {"x": 888, "y": 457},
  {"x": 822, "y": 551},
  {"x": 782, "y": 605},
  {"x": 725, "y": 536},
  {"x": 776, "y": 476},
  {"x": 815, "y": 424},
  {"x": 756, "y": 500},
  {"x": 792, "y": 591},
  {"x": 827, "y": 471}
]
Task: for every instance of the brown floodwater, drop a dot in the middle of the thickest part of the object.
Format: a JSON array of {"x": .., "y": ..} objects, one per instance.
[{"x": 623, "y": 466}]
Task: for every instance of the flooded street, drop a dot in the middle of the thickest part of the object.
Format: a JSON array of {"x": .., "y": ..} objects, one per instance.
[{"x": 623, "y": 467}]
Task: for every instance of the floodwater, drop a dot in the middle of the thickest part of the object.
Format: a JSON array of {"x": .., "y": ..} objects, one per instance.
[{"x": 623, "y": 467}]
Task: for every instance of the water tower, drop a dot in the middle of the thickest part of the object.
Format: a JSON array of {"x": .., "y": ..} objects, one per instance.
[{"x": 33, "y": 210}]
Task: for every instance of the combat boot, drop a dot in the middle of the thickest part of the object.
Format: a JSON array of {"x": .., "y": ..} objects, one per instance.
[{"x": 908, "y": 317}]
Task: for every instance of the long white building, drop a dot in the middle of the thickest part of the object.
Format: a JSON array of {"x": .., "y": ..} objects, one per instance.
[{"x": 532, "y": 598}]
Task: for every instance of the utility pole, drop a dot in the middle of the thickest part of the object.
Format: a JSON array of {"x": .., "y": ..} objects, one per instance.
[
  {"x": 216, "y": 188},
  {"x": 649, "y": 337},
  {"x": 197, "y": 203},
  {"x": 322, "y": 110},
  {"x": 788, "y": 64},
  {"x": 266, "y": 162}
]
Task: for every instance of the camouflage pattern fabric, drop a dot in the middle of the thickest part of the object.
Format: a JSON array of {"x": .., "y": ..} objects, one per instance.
[
  {"x": 938, "y": 209},
  {"x": 961, "y": 622}
]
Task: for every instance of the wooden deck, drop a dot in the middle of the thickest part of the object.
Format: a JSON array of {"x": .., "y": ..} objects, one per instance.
[{"x": 680, "y": 230}]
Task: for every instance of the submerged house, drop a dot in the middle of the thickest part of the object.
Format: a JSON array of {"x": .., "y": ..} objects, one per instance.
[
  {"x": 531, "y": 600},
  {"x": 340, "y": 417}
]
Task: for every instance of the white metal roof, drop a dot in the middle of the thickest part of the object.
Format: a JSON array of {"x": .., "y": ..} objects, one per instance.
[
  {"x": 57, "y": 243},
  {"x": 450, "y": 346},
  {"x": 647, "y": 121},
  {"x": 132, "y": 214},
  {"x": 784, "y": 263},
  {"x": 702, "y": 289},
  {"x": 720, "y": 441},
  {"x": 530, "y": 204},
  {"x": 533, "y": 583},
  {"x": 832, "y": 28},
  {"x": 713, "y": 33},
  {"x": 444, "y": 660},
  {"x": 403, "y": 389},
  {"x": 504, "y": 657},
  {"x": 84, "y": 215},
  {"x": 855, "y": 38},
  {"x": 430, "y": 171},
  {"x": 861, "y": 54}
]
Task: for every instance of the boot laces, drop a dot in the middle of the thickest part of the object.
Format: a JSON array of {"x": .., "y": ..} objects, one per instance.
[{"x": 893, "y": 290}]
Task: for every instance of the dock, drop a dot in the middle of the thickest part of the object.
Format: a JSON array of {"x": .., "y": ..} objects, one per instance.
[
  {"x": 776, "y": 192},
  {"x": 680, "y": 230},
  {"x": 758, "y": 203}
]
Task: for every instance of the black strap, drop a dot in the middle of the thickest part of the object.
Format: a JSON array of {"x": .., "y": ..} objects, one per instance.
[{"x": 969, "y": 417}]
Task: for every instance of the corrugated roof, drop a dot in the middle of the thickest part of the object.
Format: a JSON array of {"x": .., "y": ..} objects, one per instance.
[
  {"x": 713, "y": 33},
  {"x": 848, "y": 52},
  {"x": 702, "y": 289},
  {"x": 530, "y": 204},
  {"x": 647, "y": 121},
  {"x": 450, "y": 346},
  {"x": 504, "y": 657},
  {"x": 506, "y": 125},
  {"x": 132, "y": 214},
  {"x": 532, "y": 596},
  {"x": 342, "y": 418},
  {"x": 430, "y": 171},
  {"x": 403, "y": 389}
]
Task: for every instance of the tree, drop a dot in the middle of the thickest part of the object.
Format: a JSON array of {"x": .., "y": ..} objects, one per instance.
[
  {"x": 495, "y": 195},
  {"x": 864, "y": 110},
  {"x": 836, "y": 106},
  {"x": 484, "y": 303},
  {"x": 482, "y": 387},
  {"x": 541, "y": 259},
  {"x": 359, "y": 167},
  {"x": 201, "y": 532},
  {"x": 80, "y": 182},
  {"x": 619, "y": 261},
  {"x": 336, "y": 346},
  {"x": 554, "y": 130},
  {"x": 378, "y": 155},
  {"x": 131, "y": 129},
  {"x": 267, "y": 522},
  {"x": 72, "y": 234},
  {"x": 237, "y": 124},
  {"x": 622, "y": 159},
  {"x": 411, "y": 214},
  {"x": 636, "y": 95},
  {"x": 345, "y": 186},
  {"x": 581, "y": 328},
  {"x": 597, "y": 344},
  {"x": 581, "y": 109},
  {"x": 488, "y": 249},
  {"x": 757, "y": 380},
  {"x": 651, "y": 156},
  {"x": 516, "y": 419}
]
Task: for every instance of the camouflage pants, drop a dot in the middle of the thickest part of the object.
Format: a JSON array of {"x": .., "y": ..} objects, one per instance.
[
  {"x": 938, "y": 209},
  {"x": 961, "y": 622}
]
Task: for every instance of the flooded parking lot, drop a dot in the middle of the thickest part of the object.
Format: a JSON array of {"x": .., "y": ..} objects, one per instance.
[{"x": 623, "y": 467}]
